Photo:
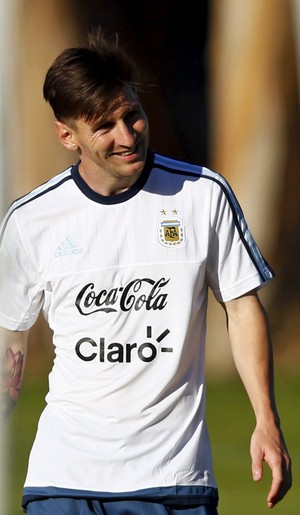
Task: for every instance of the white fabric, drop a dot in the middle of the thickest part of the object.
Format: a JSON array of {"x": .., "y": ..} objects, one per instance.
[{"x": 123, "y": 283}]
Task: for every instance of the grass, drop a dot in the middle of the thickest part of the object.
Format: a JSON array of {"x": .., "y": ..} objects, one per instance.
[{"x": 230, "y": 423}]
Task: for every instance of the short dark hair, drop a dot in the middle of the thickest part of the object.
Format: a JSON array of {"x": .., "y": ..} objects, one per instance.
[{"x": 83, "y": 81}]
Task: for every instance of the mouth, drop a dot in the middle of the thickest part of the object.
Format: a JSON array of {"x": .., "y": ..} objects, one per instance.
[{"x": 128, "y": 152}]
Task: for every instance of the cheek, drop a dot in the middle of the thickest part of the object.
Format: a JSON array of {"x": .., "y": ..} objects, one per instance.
[
  {"x": 142, "y": 126},
  {"x": 101, "y": 143}
]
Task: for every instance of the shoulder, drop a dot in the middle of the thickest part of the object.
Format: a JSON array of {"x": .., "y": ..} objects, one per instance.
[
  {"x": 187, "y": 168},
  {"x": 41, "y": 191},
  {"x": 34, "y": 201}
]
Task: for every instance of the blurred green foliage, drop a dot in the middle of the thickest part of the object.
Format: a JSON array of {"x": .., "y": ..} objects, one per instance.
[{"x": 230, "y": 422}]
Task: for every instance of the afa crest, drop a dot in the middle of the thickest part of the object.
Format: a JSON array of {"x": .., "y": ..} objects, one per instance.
[{"x": 171, "y": 233}]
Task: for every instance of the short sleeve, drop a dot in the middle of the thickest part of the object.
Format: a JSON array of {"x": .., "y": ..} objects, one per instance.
[
  {"x": 235, "y": 264},
  {"x": 21, "y": 291}
]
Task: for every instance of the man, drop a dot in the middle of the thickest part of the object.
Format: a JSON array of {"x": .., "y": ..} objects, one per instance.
[{"x": 119, "y": 251}]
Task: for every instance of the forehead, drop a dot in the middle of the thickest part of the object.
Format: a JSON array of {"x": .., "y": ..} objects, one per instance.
[{"x": 124, "y": 100}]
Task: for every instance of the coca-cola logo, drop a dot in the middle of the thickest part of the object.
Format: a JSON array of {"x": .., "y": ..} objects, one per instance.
[{"x": 137, "y": 294}]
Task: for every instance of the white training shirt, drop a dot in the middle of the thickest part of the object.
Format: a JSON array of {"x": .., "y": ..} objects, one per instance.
[{"x": 123, "y": 281}]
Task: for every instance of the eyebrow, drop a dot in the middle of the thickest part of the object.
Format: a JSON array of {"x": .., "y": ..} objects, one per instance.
[{"x": 106, "y": 117}]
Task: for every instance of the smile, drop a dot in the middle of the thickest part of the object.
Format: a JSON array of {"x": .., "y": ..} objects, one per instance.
[{"x": 127, "y": 153}]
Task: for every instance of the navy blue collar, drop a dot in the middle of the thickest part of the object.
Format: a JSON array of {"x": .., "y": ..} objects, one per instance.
[{"x": 120, "y": 197}]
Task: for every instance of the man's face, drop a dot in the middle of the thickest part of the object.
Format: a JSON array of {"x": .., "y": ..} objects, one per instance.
[{"x": 115, "y": 147}]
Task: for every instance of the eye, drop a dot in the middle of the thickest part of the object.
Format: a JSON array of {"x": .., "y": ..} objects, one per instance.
[
  {"x": 133, "y": 114},
  {"x": 103, "y": 126}
]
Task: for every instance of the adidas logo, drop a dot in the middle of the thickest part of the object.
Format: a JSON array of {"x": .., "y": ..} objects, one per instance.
[{"x": 67, "y": 247}]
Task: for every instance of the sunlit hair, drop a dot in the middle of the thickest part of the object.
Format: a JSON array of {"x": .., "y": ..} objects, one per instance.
[{"x": 85, "y": 82}]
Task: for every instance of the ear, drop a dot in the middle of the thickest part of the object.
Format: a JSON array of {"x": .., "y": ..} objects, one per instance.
[{"x": 66, "y": 135}]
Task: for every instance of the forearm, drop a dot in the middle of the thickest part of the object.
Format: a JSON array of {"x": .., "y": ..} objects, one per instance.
[
  {"x": 252, "y": 353},
  {"x": 12, "y": 360}
]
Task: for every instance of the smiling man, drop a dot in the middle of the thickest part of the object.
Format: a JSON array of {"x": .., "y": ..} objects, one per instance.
[
  {"x": 112, "y": 149},
  {"x": 119, "y": 252}
]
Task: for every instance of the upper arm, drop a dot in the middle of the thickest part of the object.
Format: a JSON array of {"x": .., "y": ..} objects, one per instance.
[
  {"x": 14, "y": 340},
  {"x": 247, "y": 322},
  {"x": 247, "y": 305},
  {"x": 13, "y": 348}
]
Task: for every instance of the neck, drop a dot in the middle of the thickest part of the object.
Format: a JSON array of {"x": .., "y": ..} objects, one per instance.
[{"x": 106, "y": 185}]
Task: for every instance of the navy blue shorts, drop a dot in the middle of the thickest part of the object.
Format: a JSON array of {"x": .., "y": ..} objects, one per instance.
[{"x": 69, "y": 506}]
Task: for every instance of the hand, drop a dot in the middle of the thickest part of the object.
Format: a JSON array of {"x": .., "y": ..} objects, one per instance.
[{"x": 268, "y": 445}]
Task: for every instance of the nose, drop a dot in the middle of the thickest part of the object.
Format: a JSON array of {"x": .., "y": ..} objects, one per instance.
[{"x": 125, "y": 135}]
